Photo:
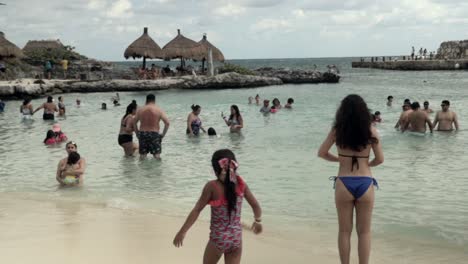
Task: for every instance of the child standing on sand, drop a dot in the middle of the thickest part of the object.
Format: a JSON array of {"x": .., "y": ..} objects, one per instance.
[{"x": 225, "y": 196}]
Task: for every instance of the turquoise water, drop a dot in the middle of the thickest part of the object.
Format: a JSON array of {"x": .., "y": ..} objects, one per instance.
[{"x": 423, "y": 181}]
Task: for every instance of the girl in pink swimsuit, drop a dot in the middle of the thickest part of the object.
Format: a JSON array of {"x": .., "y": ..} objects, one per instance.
[{"x": 225, "y": 196}]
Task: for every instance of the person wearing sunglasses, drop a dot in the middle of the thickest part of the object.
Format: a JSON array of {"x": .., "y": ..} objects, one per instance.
[
  {"x": 445, "y": 119},
  {"x": 77, "y": 171}
]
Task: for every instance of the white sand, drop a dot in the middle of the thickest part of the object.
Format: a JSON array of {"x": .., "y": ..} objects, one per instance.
[{"x": 44, "y": 231}]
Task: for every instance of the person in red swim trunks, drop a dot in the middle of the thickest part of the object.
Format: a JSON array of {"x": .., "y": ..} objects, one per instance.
[{"x": 225, "y": 196}]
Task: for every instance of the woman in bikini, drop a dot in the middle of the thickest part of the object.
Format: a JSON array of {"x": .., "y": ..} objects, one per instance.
[
  {"x": 126, "y": 130},
  {"x": 224, "y": 195},
  {"x": 354, "y": 137},
  {"x": 194, "y": 124},
  {"x": 235, "y": 121},
  {"x": 26, "y": 108}
]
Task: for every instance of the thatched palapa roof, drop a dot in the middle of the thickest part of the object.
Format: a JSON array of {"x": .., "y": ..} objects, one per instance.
[
  {"x": 217, "y": 54},
  {"x": 8, "y": 49},
  {"x": 33, "y": 45},
  {"x": 182, "y": 47},
  {"x": 144, "y": 47}
]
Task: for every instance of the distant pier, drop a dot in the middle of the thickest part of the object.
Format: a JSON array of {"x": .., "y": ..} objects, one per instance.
[{"x": 408, "y": 64}]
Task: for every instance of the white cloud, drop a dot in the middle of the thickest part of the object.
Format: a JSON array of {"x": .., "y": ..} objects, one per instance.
[
  {"x": 298, "y": 13},
  {"x": 96, "y": 4},
  {"x": 230, "y": 10},
  {"x": 268, "y": 24},
  {"x": 120, "y": 8}
]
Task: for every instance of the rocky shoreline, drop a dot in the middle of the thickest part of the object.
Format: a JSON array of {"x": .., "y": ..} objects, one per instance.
[{"x": 36, "y": 88}]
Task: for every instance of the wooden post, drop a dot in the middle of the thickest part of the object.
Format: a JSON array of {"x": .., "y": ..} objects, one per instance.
[
  {"x": 210, "y": 62},
  {"x": 144, "y": 63}
]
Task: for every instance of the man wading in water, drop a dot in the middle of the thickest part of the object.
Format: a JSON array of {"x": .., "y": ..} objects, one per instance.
[{"x": 148, "y": 134}]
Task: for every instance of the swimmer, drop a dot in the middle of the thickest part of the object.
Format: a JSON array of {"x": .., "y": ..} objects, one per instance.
[
  {"x": 78, "y": 102},
  {"x": 61, "y": 106},
  {"x": 426, "y": 108},
  {"x": 266, "y": 107},
  {"x": 235, "y": 121},
  {"x": 257, "y": 99},
  {"x": 355, "y": 138},
  {"x": 251, "y": 99},
  {"x": 59, "y": 135},
  {"x": 125, "y": 138},
  {"x": 103, "y": 106},
  {"x": 26, "y": 108},
  {"x": 225, "y": 196},
  {"x": 389, "y": 100},
  {"x": 417, "y": 120},
  {"x": 211, "y": 132},
  {"x": 377, "y": 118},
  {"x": 66, "y": 172},
  {"x": 49, "y": 109},
  {"x": 289, "y": 104},
  {"x": 194, "y": 123},
  {"x": 148, "y": 133},
  {"x": 77, "y": 170},
  {"x": 403, "y": 116},
  {"x": 50, "y": 138},
  {"x": 273, "y": 109},
  {"x": 446, "y": 119},
  {"x": 277, "y": 103}
]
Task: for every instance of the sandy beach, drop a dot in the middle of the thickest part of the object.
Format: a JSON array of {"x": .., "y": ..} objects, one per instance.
[{"x": 45, "y": 231}]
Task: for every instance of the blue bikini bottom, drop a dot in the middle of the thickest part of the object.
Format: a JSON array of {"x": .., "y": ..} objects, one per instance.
[{"x": 356, "y": 185}]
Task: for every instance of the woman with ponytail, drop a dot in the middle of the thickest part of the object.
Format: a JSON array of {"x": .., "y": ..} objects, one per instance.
[
  {"x": 126, "y": 130},
  {"x": 224, "y": 195}
]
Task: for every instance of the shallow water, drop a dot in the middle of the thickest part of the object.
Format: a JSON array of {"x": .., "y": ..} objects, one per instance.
[{"x": 423, "y": 182}]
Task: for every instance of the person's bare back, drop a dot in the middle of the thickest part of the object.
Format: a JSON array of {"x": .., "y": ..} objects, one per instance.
[
  {"x": 417, "y": 121},
  {"x": 149, "y": 117}
]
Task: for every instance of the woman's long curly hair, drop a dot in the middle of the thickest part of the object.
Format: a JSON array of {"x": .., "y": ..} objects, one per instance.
[
  {"x": 353, "y": 124},
  {"x": 229, "y": 186}
]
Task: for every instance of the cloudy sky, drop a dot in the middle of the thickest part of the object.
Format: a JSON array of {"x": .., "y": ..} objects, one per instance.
[{"x": 242, "y": 29}]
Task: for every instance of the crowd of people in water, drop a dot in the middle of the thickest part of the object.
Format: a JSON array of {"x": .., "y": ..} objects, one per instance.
[{"x": 354, "y": 133}]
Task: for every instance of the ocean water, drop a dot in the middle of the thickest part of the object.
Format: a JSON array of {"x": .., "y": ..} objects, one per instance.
[{"x": 423, "y": 180}]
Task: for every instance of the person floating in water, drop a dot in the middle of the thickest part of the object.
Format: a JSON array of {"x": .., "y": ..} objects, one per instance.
[
  {"x": 289, "y": 103},
  {"x": 194, "y": 123},
  {"x": 225, "y": 196},
  {"x": 235, "y": 121},
  {"x": 49, "y": 109},
  {"x": 426, "y": 108},
  {"x": 257, "y": 99},
  {"x": 446, "y": 119},
  {"x": 148, "y": 133},
  {"x": 355, "y": 138},
  {"x": 417, "y": 120},
  {"x": 389, "y": 100},
  {"x": 125, "y": 138}
]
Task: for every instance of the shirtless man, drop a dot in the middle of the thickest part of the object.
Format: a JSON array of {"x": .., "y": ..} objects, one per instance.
[
  {"x": 148, "y": 134},
  {"x": 78, "y": 172},
  {"x": 445, "y": 118},
  {"x": 49, "y": 109},
  {"x": 417, "y": 120},
  {"x": 403, "y": 116},
  {"x": 426, "y": 108}
]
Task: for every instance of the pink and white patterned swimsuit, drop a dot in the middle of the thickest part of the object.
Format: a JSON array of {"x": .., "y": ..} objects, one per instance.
[{"x": 226, "y": 234}]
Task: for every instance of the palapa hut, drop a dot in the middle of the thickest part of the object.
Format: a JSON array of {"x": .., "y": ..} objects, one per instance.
[
  {"x": 216, "y": 53},
  {"x": 144, "y": 47},
  {"x": 183, "y": 48},
  {"x": 37, "y": 45},
  {"x": 8, "y": 49}
]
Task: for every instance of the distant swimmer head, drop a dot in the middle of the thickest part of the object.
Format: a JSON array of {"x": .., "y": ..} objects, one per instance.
[
  {"x": 196, "y": 109},
  {"x": 50, "y": 99},
  {"x": 103, "y": 106},
  {"x": 73, "y": 158},
  {"x": 78, "y": 101},
  {"x": 276, "y": 102},
  {"x": 56, "y": 128},
  {"x": 266, "y": 103},
  {"x": 290, "y": 101},
  {"x": 407, "y": 101},
  {"x": 225, "y": 167},
  {"x": 353, "y": 124},
  {"x": 415, "y": 106},
  {"x": 390, "y": 98},
  {"x": 211, "y": 132},
  {"x": 426, "y": 103}
]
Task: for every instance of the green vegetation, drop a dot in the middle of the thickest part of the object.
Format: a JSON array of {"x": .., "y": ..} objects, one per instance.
[
  {"x": 228, "y": 67},
  {"x": 37, "y": 57}
]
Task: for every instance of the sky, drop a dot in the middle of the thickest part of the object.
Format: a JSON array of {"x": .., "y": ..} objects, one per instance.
[{"x": 241, "y": 29}]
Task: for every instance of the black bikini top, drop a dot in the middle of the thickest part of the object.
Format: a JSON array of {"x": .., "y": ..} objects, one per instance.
[{"x": 354, "y": 160}]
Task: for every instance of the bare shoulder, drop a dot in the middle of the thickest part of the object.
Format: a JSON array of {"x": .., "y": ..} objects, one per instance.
[{"x": 374, "y": 131}]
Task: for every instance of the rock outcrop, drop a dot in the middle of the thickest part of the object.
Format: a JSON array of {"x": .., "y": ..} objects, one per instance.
[
  {"x": 453, "y": 50},
  {"x": 28, "y": 87},
  {"x": 298, "y": 76}
]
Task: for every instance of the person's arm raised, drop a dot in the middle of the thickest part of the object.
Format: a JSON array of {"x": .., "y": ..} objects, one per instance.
[
  {"x": 193, "y": 216},
  {"x": 324, "y": 150},
  {"x": 257, "y": 210},
  {"x": 377, "y": 149}
]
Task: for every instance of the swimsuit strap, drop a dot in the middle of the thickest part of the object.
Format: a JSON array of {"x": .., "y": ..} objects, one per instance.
[{"x": 354, "y": 160}]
